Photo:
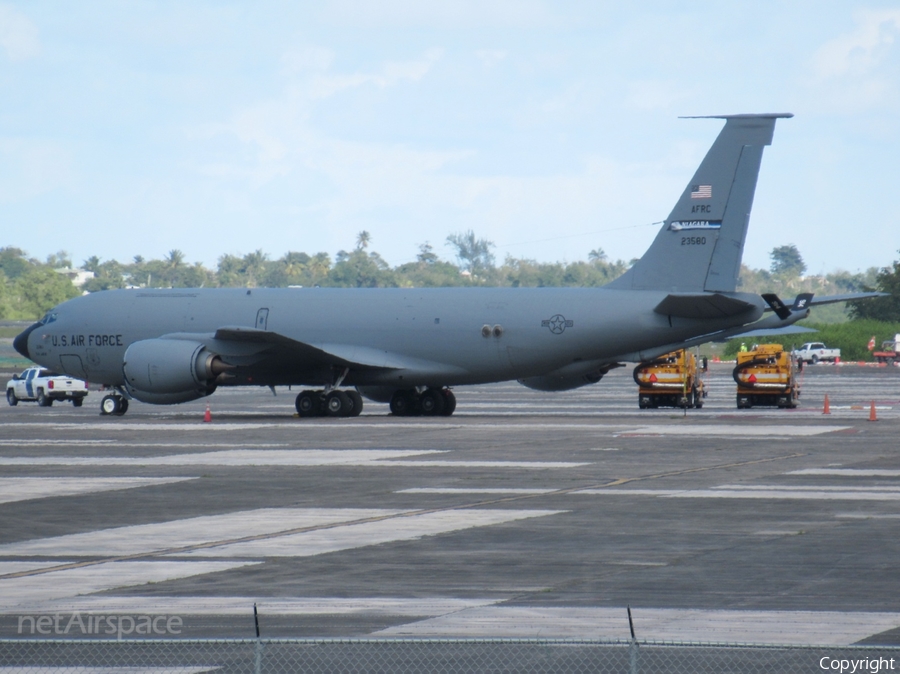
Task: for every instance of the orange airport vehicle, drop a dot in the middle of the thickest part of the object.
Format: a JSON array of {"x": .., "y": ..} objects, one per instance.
[
  {"x": 672, "y": 380},
  {"x": 766, "y": 375},
  {"x": 890, "y": 351}
]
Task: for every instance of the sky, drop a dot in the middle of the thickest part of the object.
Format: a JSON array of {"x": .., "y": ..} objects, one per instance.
[{"x": 548, "y": 128}]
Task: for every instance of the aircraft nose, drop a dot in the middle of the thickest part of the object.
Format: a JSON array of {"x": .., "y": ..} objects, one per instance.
[{"x": 20, "y": 343}]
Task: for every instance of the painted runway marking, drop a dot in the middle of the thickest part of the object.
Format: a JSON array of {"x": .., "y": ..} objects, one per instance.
[
  {"x": 473, "y": 490},
  {"x": 99, "y": 578},
  {"x": 235, "y": 457},
  {"x": 271, "y": 532},
  {"x": 365, "y": 534},
  {"x": 803, "y": 493},
  {"x": 388, "y": 424},
  {"x": 847, "y": 472},
  {"x": 828, "y": 628},
  {"x": 243, "y": 606},
  {"x": 27, "y": 488},
  {"x": 531, "y": 465},
  {"x": 108, "y": 670},
  {"x": 735, "y": 430},
  {"x": 148, "y": 538},
  {"x": 285, "y": 457}
]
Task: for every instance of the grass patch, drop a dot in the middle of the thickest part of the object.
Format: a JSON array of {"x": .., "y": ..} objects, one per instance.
[{"x": 852, "y": 338}]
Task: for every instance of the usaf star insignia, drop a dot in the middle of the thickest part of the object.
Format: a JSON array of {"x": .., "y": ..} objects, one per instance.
[{"x": 557, "y": 324}]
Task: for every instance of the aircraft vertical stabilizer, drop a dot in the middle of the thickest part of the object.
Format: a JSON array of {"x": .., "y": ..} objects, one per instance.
[{"x": 699, "y": 247}]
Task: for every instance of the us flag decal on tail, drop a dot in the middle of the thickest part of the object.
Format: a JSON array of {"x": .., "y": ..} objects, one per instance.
[{"x": 701, "y": 191}]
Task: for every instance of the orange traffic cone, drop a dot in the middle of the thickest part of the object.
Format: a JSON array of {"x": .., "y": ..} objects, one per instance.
[
  {"x": 827, "y": 408},
  {"x": 872, "y": 416},
  {"x": 207, "y": 417}
]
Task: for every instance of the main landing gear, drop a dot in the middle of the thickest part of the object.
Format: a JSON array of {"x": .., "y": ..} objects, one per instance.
[
  {"x": 334, "y": 403},
  {"x": 114, "y": 404},
  {"x": 432, "y": 402}
]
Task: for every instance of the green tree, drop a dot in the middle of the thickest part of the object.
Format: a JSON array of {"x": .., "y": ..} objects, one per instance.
[
  {"x": 881, "y": 308},
  {"x": 360, "y": 269},
  {"x": 362, "y": 240},
  {"x": 474, "y": 254},
  {"x": 13, "y": 262},
  {"x": 39, "y": 290},
  {"x": 787, "y": 261}
]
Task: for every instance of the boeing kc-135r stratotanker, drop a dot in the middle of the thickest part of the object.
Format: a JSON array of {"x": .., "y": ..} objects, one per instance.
[{"x": 407, "y": 346}]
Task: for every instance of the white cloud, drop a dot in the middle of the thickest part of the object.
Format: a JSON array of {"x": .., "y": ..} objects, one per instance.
[
  {"x": 390, "y": 74},
  {"x": 18, "y": 34},
  {"x": 862, "y": 50}
]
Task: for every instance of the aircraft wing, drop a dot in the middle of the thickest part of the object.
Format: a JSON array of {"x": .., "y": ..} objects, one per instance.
[
  {"x": 701, "y": 305},
  {"x": 351, "y": 356},
  {"x": 774, "y": 332}
]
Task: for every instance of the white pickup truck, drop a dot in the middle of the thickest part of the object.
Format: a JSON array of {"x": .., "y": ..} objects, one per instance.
[
  {"x": 37, "y": 383},
  {"x": 816, "y": 352}
]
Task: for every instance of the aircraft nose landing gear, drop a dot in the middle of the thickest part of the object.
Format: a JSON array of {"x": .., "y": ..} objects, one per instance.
[{"x": 113, "y": 404}]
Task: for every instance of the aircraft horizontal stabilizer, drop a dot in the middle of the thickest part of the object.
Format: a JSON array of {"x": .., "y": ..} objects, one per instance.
[
  {"x": 831, "y": 299},
  {"x": 702, "y": 305}
]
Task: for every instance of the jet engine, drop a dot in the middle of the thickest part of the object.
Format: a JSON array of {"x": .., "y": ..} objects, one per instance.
[{"x": 169, "y": 371}]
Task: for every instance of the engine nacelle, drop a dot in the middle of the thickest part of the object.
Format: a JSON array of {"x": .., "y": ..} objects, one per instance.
[{"x": 168, "y": 371}]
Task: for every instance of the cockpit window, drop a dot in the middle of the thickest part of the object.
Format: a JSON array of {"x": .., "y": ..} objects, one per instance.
[{"x": 48, "y": 318}]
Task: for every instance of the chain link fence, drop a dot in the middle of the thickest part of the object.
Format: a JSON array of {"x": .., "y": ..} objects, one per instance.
[{"x": 184, "y": 656}]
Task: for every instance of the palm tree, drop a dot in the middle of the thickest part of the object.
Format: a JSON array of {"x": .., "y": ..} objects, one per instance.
[{"x": 362, "y": 240}]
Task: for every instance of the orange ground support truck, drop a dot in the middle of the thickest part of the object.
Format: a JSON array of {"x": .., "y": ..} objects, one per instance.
[
  {"x": 673, "y": 380},
  {"x": 766, "y": 376}
]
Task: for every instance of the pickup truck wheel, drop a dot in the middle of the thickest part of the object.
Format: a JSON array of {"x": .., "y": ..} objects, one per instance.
[
  {"x": 11, "y": 397},
  {"x": 814, "y": 360},
  {"x": 43, "y": 400}
]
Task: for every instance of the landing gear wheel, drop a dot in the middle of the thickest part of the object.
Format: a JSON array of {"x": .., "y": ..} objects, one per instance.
[
  {"x": 43, "y": 400},
  {"x": 308, "y": 404},
  {"x": 357, "y": 402},
  {"x": 11, "y": 397},
  {"x": 431, "y": 402},
  {"x": 77, "y": 402},
  {"x": 403, "y": 403},
  {"x": 337, "y": 404},
  {"x": 123, "y": 406},
  {"x": 111, "y": 404},
  {"x": 449, "y": 402}
]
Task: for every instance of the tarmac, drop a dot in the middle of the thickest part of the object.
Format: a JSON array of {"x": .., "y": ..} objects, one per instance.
[{"x": 523, "y": 515}]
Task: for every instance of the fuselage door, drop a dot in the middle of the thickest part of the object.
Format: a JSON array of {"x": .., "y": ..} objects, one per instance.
[
  {"x": 71, "y": 364},
  {"x": 262, "y": 319}
]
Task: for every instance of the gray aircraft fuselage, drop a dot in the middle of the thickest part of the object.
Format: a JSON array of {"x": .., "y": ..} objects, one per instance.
[{"x": 420, "y": 337}]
